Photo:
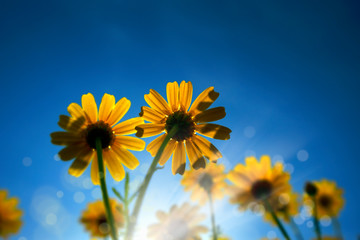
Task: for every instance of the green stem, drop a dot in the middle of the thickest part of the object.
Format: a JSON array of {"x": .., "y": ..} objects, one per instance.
[
  {"x": 337, "y": 228},
  {"x": 316, "y": 220},
  {"x": 145, "y": 184},
  {"x": 212, "y": 216},
  {"x": 295, "y": 228},
  {"x": 276, "y": 219},
  {"x": 109, "y": 215}
]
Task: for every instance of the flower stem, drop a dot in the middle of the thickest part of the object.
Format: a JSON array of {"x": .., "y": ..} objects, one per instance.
[
  {"x": 295, "y": 229},
  {"x": 212, "y": 216},
  {"x": 145, "y": 184},
  {"x": 109, "y": 215},
  {"x": 316, "y": 220},
  {"x": 276, "y": 219},
  {"x": 337, "y": 228}
]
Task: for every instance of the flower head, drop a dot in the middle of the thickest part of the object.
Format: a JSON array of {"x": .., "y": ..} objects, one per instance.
[
  {"x": 286, "y": 206},
  {"x": 181, "y": 223},
  {"x": 85, "y": 125},
  {"x": 10, "y": 215},
  {"x": 94, "y": 218},
  {"x": 164, "y": 116},
  {"x": 329, "y": 199},
  {"x": 257, "y": 181},
  {"x": 204, "y": 181}
]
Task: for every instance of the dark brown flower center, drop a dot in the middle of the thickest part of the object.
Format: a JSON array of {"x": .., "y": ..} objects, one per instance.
[
  {"x": 99, "y": 130},
  {"x": 103, "y": 225},
  {"x": 184, "y": 123},
  {"x": 261, "y": 189},
  {"x": 325, "y": 201},
  {"x": 206, "y": 181}
]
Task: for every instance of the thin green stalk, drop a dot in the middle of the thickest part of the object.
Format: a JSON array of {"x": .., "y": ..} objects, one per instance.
[
  {"x": 295, "y": 228},
  {"x": 109, "y": 215},
  {"x": 316, "y": 220},
  {"x": 276, "y": 219},
  {"x": 337, "y": 228},
  {"x": 212, "y": 216},
  {"x": 145, "y": 184}
]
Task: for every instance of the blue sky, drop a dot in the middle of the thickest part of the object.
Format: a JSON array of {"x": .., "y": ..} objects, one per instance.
[{"x": 287, "y": 72}]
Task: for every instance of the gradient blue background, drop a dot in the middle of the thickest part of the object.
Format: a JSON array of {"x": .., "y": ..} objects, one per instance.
[{"x": 287, "y": 69}]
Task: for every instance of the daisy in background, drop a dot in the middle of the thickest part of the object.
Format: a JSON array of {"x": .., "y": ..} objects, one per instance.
[
  {"x": 258, "y": 183},
  {"x": 92, "y": 135},
  {"x": 94, "y": 218},
  {"x": 181, "y": 223},
  {"x": 206, "y": 184},
  {"x": 326, "y": 200},
  {"x": 85, "y": 124},
  {"x": 10, "y": 215},
  {"x": 189, "y": 120}
]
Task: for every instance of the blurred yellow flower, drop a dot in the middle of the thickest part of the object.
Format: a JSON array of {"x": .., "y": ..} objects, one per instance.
[
  {"x": 286, "y": 206},
  {"x": 181, "y": 223},
  {"x": 94, "y": 218},
  {"x": 257, "y": 181},
  {"x": 165, "y": 115},
  {"x": 203, "y": 181},
  {"x": 86, "y": 124},
  {"x": 328, "y": 238},
  {"x": 329, "y": 200},
  {"x": 10, "y": 215}
]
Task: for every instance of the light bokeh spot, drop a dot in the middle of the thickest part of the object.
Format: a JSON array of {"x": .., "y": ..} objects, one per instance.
[
  {"x": 302, "y": 155},
  {"x": 249, "y": 132},
  {"x": 79, "y": 197},
  {"x": 27, "y": 161}
]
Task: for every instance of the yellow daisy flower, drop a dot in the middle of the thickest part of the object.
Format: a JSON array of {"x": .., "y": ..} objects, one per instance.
[
  {"x": 94, "y": 218},
  {"x": 286, "y": 206},
  {"x": 86, "y": 124},
  {"x": 257, "y": 181},
  {"x": 10, "y": 215},
  {"x": 329, "y": 199},
  {"x": 181, "y": 223},
  {"x": 203, "y": 181},
  {"x": 190, "y": 121}
]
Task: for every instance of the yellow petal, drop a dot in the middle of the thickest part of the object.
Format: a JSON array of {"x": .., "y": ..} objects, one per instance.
[
  {"x": 95, "y": 177},
  {"x": 185, "y": 96},
  {"x": 126, "y": 157},
  {"x": 71, "y": 124},
  {"x": 65, "y": 138},
  {"x": 120, "y": 109},
  {"x": 172, "y": 92},
  {"x": 179, "y": 159},
  {"x": 203, "y": 101},
  {"x": 265, "y": 162},
  {"x": 210, "y": 115},
  {"x": 81, "y": 162},
  {"x": 90, "y": 107},
  {"x": 114, "y": 165},
  {"x": 128, "y": 127},
  {"x": 195, "y": 157},
  {"x": 214, "y": 131},
  {"x": 106, "y": 106},
  {"x": 72, "y": 151},
  {"x": 149, "y": 129},
  {"x": 3, "y": 194},
  {"x": 157, "y": 102},
  {"x": 169, "y": 149},
  {"x": 152, "y": 115},
  {"x": 154, "y": 146},
  {"x": 131, "y": 143},
  {"x": 207, "y": 148},
  {"x": 75, "y": 110}
]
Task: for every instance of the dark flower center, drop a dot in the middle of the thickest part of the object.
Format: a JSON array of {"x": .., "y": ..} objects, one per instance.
[
  {"x": 103, "y": 225},
  {"x": 206, "y": 181},
  {"x": 261, "y": 189},
  {"x": 185, "y": 124},
  {"x": 99, "y": 130},
  {"x": 325, "y": 201}
]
